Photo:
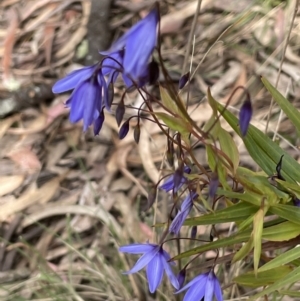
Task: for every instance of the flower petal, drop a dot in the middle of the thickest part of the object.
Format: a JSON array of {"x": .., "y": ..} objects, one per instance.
[
  {"x": 173, "y": 279},
  {"x": 178, "y": 221},
  {"x": 195, "y": 293},
  {"x": 140, "y": 42},
  {"x": 76, "y": 102},
  {"x": 209, "y": 289},
  {"x": 200, "y": 280},
  {"x": 143, "y": 261},
  {"x": 155, "y": 272},
  {"x": 92, "y": 96},
  {"x": 218, "y": 290},
  {"x": 72, "y": 80},
  {"x": 137, "y": 248}
]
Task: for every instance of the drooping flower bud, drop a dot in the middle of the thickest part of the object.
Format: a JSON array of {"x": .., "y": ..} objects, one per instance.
[
  {"x": 245, "y": 116},
  {"x": 137, "y": 133},
  {"x": 120, "y": 111},
  {"x": 194, "y": 232},
  {"x": 98, "y": 123},
  {"x": 110, "y": 94},
  {"x": 183, "y": 80},
  {"x": 151, "y": 197},
  {"x": 181, "y": 277},
  {"x": 124, "y": 130},
  {"x": 153, "y": 69}
]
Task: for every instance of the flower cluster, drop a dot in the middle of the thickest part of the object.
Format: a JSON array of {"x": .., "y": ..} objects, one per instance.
[
  {"x": 92, "y": 93},
  {"x": 130, "y": 56},
  {"x": 156, "y": 260}
]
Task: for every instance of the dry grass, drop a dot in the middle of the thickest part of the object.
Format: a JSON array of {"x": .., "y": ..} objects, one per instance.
[{"x": 67, "y": 199}]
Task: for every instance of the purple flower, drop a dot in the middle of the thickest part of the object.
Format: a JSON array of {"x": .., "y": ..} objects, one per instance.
[
  {"x": 170, "y": 184},
  {"x": 156, "y": 260},
  {"x": 182, "y": 214},
  {"x": 73, "y": 79},
  {"x": 138, "y": 44},
  {"x": 112, "y": 65},
  {"x": 203, "y": 286},
  {"x": 245, "y": 117},
  {"x": 88, "y": 98}
]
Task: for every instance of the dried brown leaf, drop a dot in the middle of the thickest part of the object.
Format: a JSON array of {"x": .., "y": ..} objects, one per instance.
[
  {"x": 146, "y": 157},
  {"x": 6, "y": 124},
  {"x": 9, "y": 42},
  {"x": 31, "y": 196},
  {"x": 79, "y": 33},
  {"x": 26, "y": 159},
  {"x": 172, "y": 22},
  {"x": 9, "y": 183}
]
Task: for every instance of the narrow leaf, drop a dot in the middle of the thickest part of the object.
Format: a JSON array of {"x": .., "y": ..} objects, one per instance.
[
  {"x": 290, "y": 111},
  {"x": 281, "y": 259}
]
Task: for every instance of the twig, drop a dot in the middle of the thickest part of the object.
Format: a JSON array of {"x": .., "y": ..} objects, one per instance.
[{"x": 190, "y": 40}]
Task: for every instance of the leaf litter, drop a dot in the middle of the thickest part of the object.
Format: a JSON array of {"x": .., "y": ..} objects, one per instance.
[{"x": 67, "y": 198}]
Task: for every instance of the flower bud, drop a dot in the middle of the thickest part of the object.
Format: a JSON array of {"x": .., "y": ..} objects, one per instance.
[
  {"x": 151, "y": 197},
  {"x": 137, "y": 133},
  {"x": 124, "y": 130},
  {"x": 98, "y": 123},
  {"x": 183, "y": 80},
  {"x": 245, "y": 116},
  {"x": 181, "y": 277},
  {"x": 153, "y": 72},
  {"x": 120, "y": 111},
  {"x": 110, "y": 93},
  {"x": 194, "y": 232}
]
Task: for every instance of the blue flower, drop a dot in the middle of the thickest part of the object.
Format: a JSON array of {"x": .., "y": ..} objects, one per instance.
[
  {"x": 182, "y": 214},
  {"x": 112, "y": 65},
  {"x": 156, "y": 259},
  {"x": 169, "y": 184},
  {"x": 87, "y": 102},
  {"x": 138, "y": 44},
  {"x": 72, "y": 80},
  {"x": 203, "y": 286}
]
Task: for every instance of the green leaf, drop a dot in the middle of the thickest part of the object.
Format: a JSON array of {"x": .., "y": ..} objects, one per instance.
[
  {"x": 290, "y": 213},
  {"x": 281, "y": 259},
  {"x": 258, "y": 222},
  {"x": 220, "y": 243},
  {"x": 228, "y": 146},
  {"x": 237, "y": 212},
  {"x": 243, "y": 251},
  {"x": 214, "y": 164},
  {"x": 167, "y": 101},
  {"x": 264, "y": 151},
  {"x": 290, "y": 111},
  {"x": 247, "y": 196},
  {"x": 282, "y": 232},
  {"x": 284, "y": 280},
  {"x": 174, "y": 123},
  {"x": 289, "y": 293},
  {"x": 262, "y": 278}
]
